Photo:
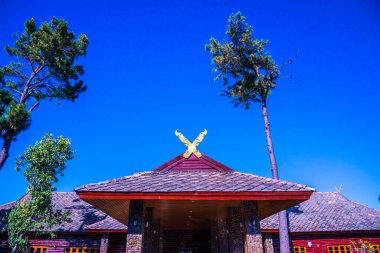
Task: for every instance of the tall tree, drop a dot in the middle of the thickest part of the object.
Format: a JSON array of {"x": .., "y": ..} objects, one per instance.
[
  {"x": 248, "y": 73},
  {"x": 35, "y": 212},
  {"x": 44, "y": 68}
]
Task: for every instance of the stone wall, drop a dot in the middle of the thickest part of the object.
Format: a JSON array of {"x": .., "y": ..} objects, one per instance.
[{"x": 134, "y": 242}]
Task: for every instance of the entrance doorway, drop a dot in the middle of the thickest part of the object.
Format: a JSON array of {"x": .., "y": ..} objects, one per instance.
[
  {"x": 187, "y": 241},
  {"x": 187, "y": 226}
]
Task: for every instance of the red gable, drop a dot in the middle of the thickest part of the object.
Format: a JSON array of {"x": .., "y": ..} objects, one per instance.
[{"x": 193, "y": 163}]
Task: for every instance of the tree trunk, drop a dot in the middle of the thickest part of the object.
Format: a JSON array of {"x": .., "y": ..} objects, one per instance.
[
  {"x": 4, "y": 153},
  {"x": 282, "y": 217}
]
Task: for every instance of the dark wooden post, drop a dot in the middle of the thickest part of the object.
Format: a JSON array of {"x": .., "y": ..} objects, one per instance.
[
  {"x": 150, "y": 233},
  {"x": 134, "y": 243},
  {"x": 222, "y": 235},
  {"x": 214, "y": 237},
  {"x": 161, "y": 240},
  {"x": 104, "y": 243},
  {"x": 156, "y": 234},
  {"x": 235, "y": 235},
  {"x": 253, "y": 240},
  {"x": 268, "y": 243}
]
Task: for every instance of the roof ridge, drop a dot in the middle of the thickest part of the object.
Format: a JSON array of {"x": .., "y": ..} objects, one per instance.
[
  {"x": 10, "y": 204},
  {"x": 361, "y": 205},
  {"x": 332, "y": 192},
  {"x": 189, "y": 171},
  {"x": 349, "y": 200}
]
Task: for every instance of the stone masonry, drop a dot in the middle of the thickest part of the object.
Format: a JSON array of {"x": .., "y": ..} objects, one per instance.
[
  {"x": 235, "y": 234},
  {"x": 134, "y": 240},
  {"x": 268, "y": 243},
  {"x": 253, "y": 239}
]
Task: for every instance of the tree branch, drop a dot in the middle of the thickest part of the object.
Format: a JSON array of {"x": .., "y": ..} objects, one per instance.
[
  {"x": 34, "y": 106},
  {"x": 17, "y": 91},
  {"x": 4, "y": 151},
  {"x": 30, "y": 63},
  {"x": 25, "y": 94},
  {"x": 40, "y": 80}
]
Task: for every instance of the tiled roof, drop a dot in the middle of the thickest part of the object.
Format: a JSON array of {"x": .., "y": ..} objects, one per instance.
[
  {"x": 193, "y": 174},
  {"x": 83, "y": 215},
  {"x": 187, "y": 181},
  {"x": 328, "y": 211},
  {"x": 323, "y": 212}
]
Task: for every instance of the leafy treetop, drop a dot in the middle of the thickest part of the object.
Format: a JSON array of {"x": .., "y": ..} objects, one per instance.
[
  {"x": 50, "y": 52},
  {"x": 247, "y": 70},
  {"x": 44, "y": 69},
  {"x": 42, "y": 164}
]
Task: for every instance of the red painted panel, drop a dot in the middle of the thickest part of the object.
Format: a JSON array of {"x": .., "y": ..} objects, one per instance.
[
  {"x": 320, "y": 245},
  {"x": 58, "y": 244},
  {"x": 320, "y": 242},
  {"x": 193, "y": 163}
]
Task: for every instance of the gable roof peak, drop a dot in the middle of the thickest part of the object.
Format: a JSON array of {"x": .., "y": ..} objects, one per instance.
[{"x": 193, "y": 163}]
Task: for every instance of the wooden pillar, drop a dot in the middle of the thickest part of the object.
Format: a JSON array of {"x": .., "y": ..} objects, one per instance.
[
  {"x": 222, "y": 235},
  {"x": 156, "y": 235},
  {"x": 214, "y": 237},
  {"x": 104, "y": 243},
  {"x": 253, "y": 240},
  {"x": 268, "y": 243},
  {"x": 150, "y": 244},
  {"x": 134, "y": 242},
  {"x": 161, "y": 239},
  {"x": 235, "y": 235}
]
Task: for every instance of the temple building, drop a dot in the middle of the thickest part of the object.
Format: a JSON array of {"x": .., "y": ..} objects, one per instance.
[{"x": 195, "y": 204}]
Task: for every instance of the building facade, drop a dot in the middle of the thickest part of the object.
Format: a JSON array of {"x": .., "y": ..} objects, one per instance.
[{"x": 195, "y": 204}]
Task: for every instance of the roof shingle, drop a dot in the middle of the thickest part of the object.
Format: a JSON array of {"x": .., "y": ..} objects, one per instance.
[
  {"x": 193, "y": 174},
  {"x": 83, "y": 215},
  {"x": 187, "y": 181},
  {"x": 328, "y": 212},
  {"x": 323, "y": 212}
]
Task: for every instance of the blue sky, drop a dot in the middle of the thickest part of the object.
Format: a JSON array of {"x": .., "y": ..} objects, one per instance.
[{"x": 148, "y": 74}]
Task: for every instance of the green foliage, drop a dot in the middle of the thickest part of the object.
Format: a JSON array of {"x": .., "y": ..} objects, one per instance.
[
  {"x": 15, "y": 119},
  {"x": 50, "y": 52},
  {"x": 249, "y": 74},
  {"x": 247, "y": 70},
  {"x": 42, "y": 164},
  {"x": 44, "y": 69},
  {"x": 362, "y": 247}
]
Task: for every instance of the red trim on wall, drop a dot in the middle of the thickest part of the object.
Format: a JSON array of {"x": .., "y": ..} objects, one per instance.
[
  {"x": 270, "y": 231},
  {"x": 112, "y": 231},
  {"x": 336, "y": 232},
  {"x": 288, "y": 195},
  {"x": 365, "y": 232}
]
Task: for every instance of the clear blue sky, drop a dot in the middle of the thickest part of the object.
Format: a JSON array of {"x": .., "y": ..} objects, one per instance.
[{"x": 148, "y": 74}]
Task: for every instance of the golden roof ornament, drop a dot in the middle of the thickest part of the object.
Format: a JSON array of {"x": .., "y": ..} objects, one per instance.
[{"x": 191, "y": 147}]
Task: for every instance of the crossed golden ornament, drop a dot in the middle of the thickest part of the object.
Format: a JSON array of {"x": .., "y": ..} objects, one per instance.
[{"x": 191, "y": 147}]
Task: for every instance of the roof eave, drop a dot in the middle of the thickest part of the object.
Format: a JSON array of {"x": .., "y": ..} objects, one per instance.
[{"x": 275, "y": 195}]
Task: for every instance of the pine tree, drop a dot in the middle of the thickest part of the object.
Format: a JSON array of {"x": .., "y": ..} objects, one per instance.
[
  {"x": 43, "y": 69},
  {"x": 248, "y": 74}
]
